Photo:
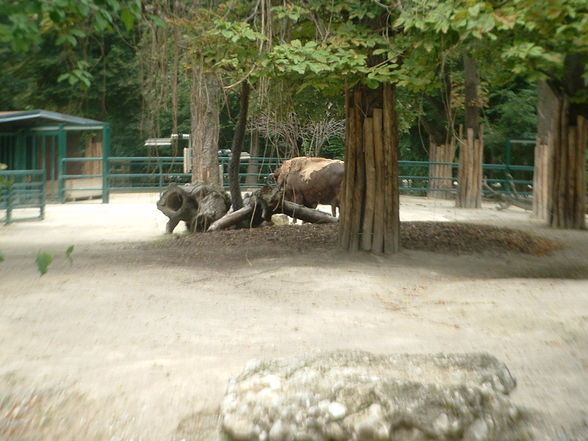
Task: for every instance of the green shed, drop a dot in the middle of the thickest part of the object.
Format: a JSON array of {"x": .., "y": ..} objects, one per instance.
[{"x": 72, "y": 151}]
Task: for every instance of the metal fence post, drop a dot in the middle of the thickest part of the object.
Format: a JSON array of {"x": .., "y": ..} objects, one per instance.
[
  {"x": 42, "y": 195},
  {"x": 106, "y": 163},
  {"x": 8, "y": 203},
  {"x": 160, "y": 168}
]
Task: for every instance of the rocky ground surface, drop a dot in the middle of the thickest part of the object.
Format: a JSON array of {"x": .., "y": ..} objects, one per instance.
[{"x": 355, "y": 395}]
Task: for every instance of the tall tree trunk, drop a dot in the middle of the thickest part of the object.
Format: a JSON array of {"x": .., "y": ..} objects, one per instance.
[
  {"x": 569, "y": 135},
  {"x": 253, "y": 166},
  {"x": 370, "y": 202},
  {"x": 237, "y": 147},
  {"x": 204, "y": 106},
  {"x": 469, "y": 194},
  {"x": 547, "y": 105}
]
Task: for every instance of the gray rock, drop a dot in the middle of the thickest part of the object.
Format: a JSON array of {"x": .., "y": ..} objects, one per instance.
[{"x": 352, "y": 395}]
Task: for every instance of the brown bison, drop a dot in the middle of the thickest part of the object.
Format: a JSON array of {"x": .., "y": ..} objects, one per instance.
[{"x": 311, "y": 181}]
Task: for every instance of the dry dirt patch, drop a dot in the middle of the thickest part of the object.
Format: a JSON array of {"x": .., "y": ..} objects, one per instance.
[
  {"x": 287, "y": 240},
  {"x": 137, "y": 339}
]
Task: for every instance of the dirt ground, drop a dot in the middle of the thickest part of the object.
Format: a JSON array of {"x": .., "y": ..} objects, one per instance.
[{"x": 137, "y": 338}]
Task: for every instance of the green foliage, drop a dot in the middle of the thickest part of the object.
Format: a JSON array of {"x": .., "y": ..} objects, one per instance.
[
  {"x": 511, "y": 114},
  {"x": 67, "y": 24},
  {"x": 68, "y": 254},
  {"x": 79, "y": 75},
  {"x": 43, "y": 261}
]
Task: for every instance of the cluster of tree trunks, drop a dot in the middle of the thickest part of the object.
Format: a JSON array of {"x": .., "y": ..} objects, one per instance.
[
  {"x": 370, "y": 203},
  {"x": 206, "y": 208},
  {"x": 440, "y": 175},
  {"x": 568, "y": 194},
  {"x": 559, "y": 192},
  {"x": 469, "y": 190}
]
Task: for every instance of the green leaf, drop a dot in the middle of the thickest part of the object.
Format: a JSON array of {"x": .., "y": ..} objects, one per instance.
[
  {"x": 128, "y": 19},
  {"x": 1, "y": 257},
  {"x": 158, "y": 21},
  {"x": 43, "y": 261},
  {"x": 68, "y": 253}
]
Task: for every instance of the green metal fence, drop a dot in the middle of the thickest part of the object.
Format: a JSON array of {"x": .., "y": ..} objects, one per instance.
[
  {"x": 253, "y": 171},
  {"x": 22, "y": 192},
  {"x": 127, "y": 174},
  {"x": 146, "y": 173},
  {"x": 503, "y": 178}
]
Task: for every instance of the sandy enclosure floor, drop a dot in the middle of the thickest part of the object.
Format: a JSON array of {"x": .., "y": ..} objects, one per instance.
[{"x": 129, "y": 343}]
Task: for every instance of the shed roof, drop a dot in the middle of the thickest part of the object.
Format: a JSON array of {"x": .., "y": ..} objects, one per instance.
[{"x": 29, "y": 117}]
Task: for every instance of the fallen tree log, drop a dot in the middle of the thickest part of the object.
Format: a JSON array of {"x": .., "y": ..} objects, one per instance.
[
  {"x": 505, "y": 201},
  {"x": 262, "y": 204},
  {"x": 306, "y": 214},
  {"x": 233, "y": 218},
  {"x": 199, "y": 205},
  {"x": 206, "y": 208}
]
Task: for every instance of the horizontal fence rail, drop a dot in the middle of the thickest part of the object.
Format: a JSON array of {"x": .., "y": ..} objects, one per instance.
[
  {"x": 22, "y": 193},
  {"x": 127, "y": 174},
  {"x": 502, "y": 178}
]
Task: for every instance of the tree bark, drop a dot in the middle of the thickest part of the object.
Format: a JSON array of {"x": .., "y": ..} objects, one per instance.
[
  {"x": 370, "y": 202},
  {"x": 568, "y": 189},
  {"x": 547, "y": 105},
  {"x": 440, "y": 175},
  {"x": 253, "y": 165},
  {"x": 569, "y": 134},
  {"x": 237, "y": 147},
  {"x": 204, "y": 107},
  {"x": 198, "y": 205},
  {"x": 469, "y": 193}
]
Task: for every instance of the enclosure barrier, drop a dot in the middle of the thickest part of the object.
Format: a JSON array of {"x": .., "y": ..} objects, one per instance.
[
  {"x": 130, "y": 174},
  {"x": 503, "y": 178},
  {"x": 21, "y": 193}
]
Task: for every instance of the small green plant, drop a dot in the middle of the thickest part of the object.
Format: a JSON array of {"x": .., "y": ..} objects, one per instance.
[
  {"x": 43, "y": 261},
  {"x": 68, "y": 253}
]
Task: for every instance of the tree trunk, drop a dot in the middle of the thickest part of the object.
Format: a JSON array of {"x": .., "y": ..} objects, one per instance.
[
  {"x": 204, "y": 106},
  {"x": 568, "y": 189},
  {"x": 198, "y": 205},
  {"x": 253, "y": 166},
  {"x": 440, "y": 175},
  {"x": 237, "y": 147},
  {"x": 469, "y": 194},
  {"x": 569, "y": 136},
  {"x": 547, "y": 106},
  {"x": 370, "y": 201}
]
